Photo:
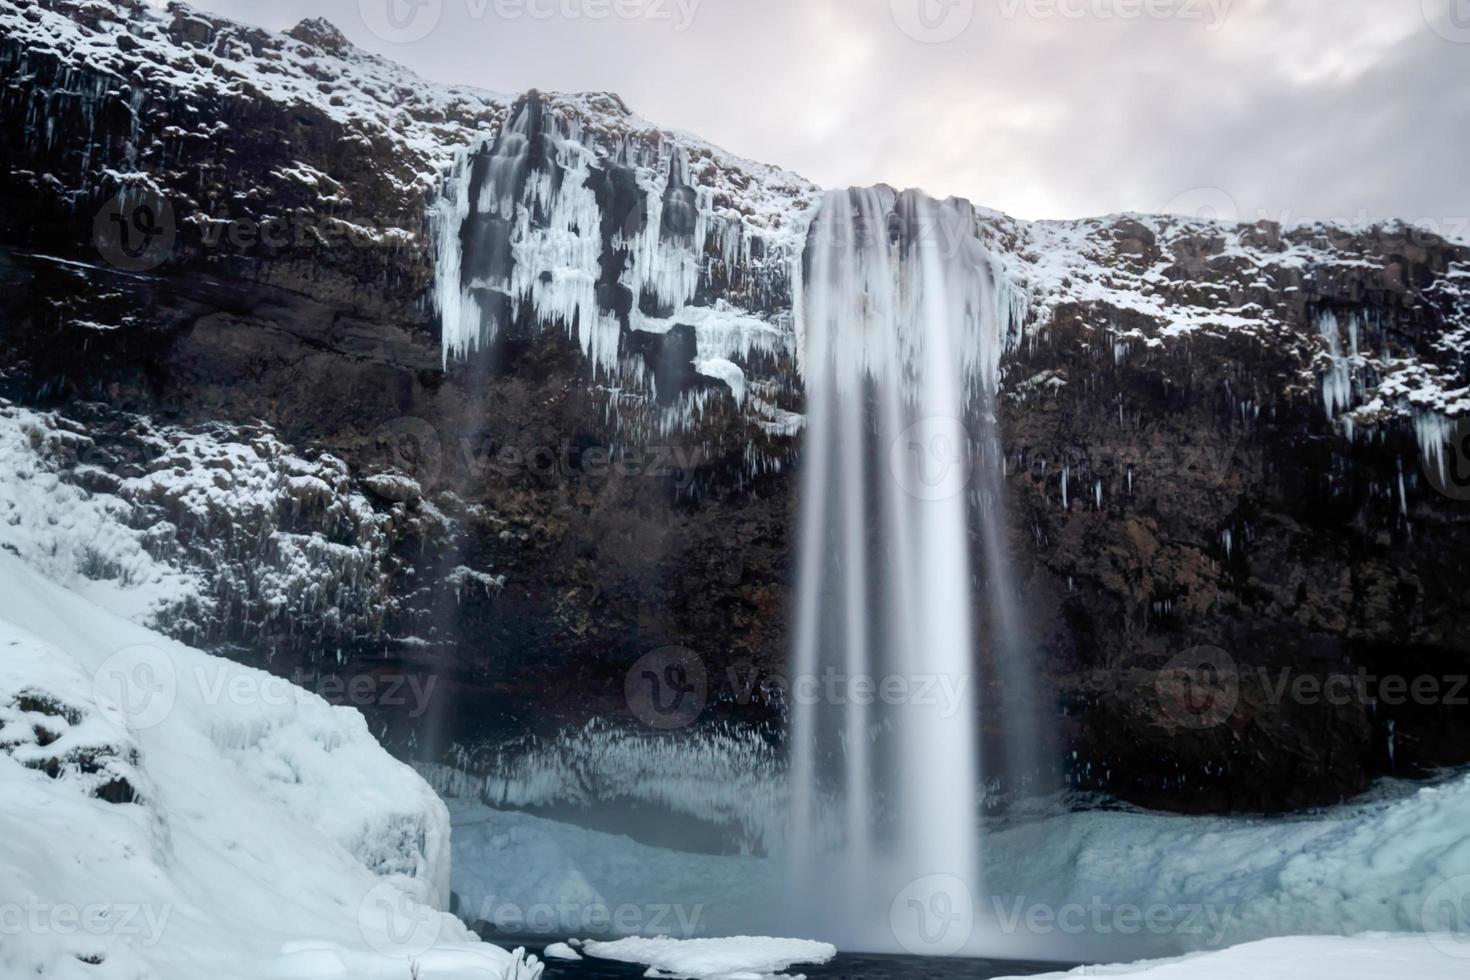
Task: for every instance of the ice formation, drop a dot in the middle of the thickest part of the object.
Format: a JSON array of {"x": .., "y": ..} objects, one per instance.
[
  {"x": 550, "y": 225},
  {"x": 736, "y": 958}
]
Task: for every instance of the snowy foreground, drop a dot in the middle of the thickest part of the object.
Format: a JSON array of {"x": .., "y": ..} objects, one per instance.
[
  {"x": 1391, "y": 868},
  {"x": 168, "y": 815},
  {"x": 1308, "y": 958},
  {"x": 740, "y": 958}
]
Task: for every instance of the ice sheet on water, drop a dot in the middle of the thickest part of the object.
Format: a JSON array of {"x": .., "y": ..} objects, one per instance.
[{"x": 742, "y": 957}]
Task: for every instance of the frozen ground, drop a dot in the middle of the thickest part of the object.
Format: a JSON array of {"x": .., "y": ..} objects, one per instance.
[
  {"x": 737, "y": 958},
  {"x": 1094, "y": 885},
  {"x": 1376, "y": 957},
  {"x": 168, "y": 815}
]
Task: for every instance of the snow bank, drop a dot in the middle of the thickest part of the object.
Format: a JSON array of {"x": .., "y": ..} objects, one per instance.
[
  {"x": 729, "y": 777},
  {"x": 524, "y": 875},
  {"x": 168, "y": 814},
  {"x": 1306, "y": 958},
  {"x": 739, "y": 958},
  {"x": 1085, "y": 885},
  {"x": 1372, "y": 866}
]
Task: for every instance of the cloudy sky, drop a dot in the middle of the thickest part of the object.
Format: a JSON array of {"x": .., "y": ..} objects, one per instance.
[{"x": 1299, "y": 110}]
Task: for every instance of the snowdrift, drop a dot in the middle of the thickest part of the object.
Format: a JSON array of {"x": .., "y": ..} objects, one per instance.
[{"x": 169, "y": 814}]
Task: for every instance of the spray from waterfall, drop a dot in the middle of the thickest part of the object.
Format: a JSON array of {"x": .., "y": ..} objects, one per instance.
[{"x": 902, "y": 317}]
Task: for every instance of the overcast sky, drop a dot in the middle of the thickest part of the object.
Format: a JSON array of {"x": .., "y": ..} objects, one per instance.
[{"x": 1288, "y": 109}]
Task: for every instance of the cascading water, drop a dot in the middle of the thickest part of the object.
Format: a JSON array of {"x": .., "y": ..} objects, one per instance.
[{"x": 903, "y": 318}]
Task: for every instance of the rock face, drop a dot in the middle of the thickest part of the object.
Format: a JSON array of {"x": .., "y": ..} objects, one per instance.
[{"x": 534, "y": 440}]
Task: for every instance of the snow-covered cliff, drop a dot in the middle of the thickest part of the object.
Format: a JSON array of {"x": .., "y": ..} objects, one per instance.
[{"x": 557, "y": 352}]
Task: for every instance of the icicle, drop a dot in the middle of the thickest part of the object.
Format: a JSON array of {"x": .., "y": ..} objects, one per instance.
[{"x": 1337, "y": 383}]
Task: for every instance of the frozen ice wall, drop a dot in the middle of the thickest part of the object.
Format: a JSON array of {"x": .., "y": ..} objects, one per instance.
[{"x": 674, "y": 288}]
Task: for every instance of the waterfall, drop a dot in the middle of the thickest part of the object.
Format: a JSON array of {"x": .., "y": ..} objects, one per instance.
[{"x": 902, "y": 317}]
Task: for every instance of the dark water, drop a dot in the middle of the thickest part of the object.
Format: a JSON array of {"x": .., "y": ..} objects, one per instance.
[{"x": 847, "y": 966}]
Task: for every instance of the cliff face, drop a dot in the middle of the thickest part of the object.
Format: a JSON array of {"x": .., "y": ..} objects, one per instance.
[{"x": 506, "y": 392}]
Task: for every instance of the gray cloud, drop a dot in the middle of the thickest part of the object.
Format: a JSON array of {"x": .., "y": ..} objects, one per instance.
[{"x": 1323, "y": 109}]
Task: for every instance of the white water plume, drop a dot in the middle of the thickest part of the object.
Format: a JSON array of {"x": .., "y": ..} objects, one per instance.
[{"x": 903, "y": 320}]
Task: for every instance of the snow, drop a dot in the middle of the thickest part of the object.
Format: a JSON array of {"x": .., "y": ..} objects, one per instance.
[
  {"x": 206, "y": 524},
  {"x": 737, "y": 958},
  {"x": 561, "y": 951},
  {"x": 730, "y": 778},
  {"x": 726, "y": 371},
  {"x": 1374, "y": 865},
  {"x": 526, "y": 875},
  {"x": 201, "y": 818},
  {"x": 1380, "y": 864},
  {"x": 555, "y": 229},
  {"x": 1374, "y": 957}
]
